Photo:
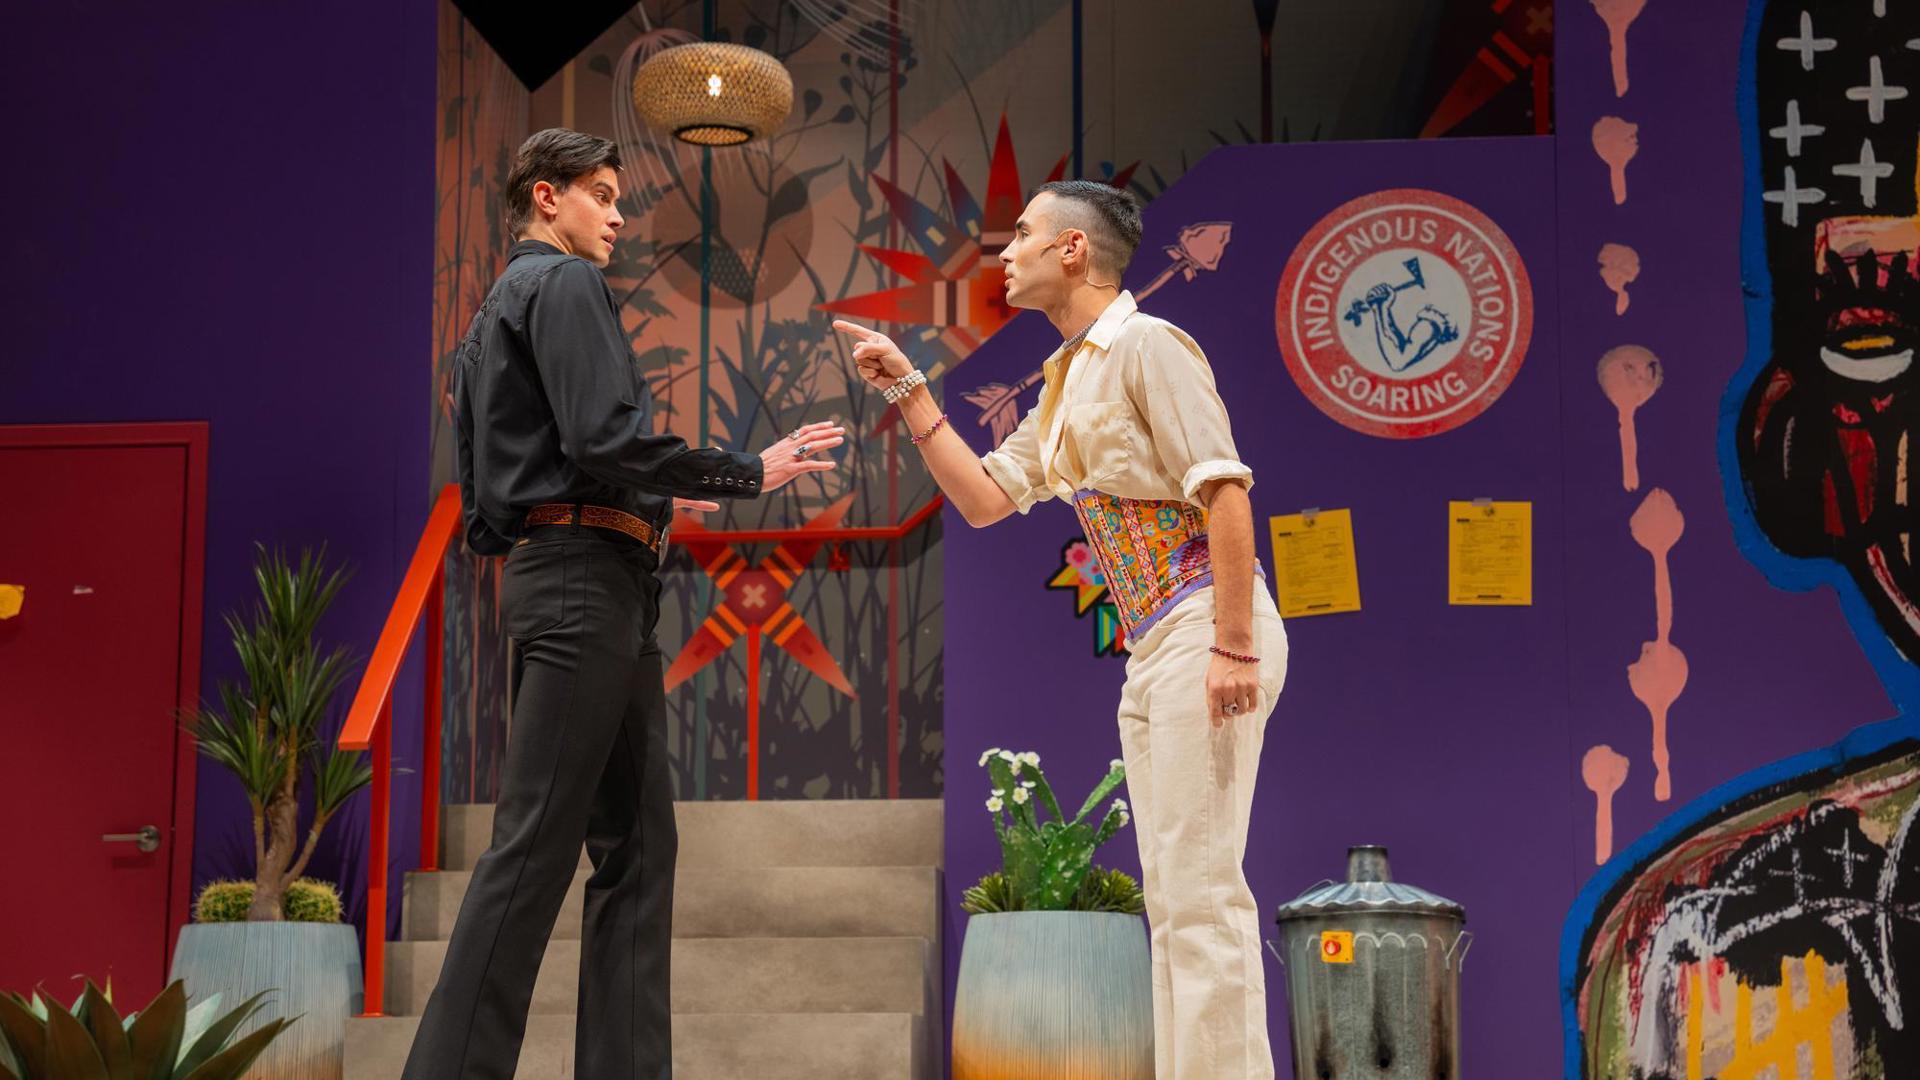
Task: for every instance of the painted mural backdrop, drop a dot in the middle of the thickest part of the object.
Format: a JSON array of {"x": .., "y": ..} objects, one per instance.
[
  {"x": 918, "y": 129},
  {"x": 1772, "y": 928}
]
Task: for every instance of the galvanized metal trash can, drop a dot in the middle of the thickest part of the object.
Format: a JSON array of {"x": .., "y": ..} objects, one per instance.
[{"x": 1373, "y": 976}]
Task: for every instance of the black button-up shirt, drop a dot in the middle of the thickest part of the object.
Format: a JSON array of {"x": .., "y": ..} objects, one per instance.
[{"x": 550, "y": 406}]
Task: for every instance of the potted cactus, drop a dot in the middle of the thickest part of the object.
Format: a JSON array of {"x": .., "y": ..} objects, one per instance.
[
  {"x": 1055, "y": 977},
  {"x": 282, "y": 930}
]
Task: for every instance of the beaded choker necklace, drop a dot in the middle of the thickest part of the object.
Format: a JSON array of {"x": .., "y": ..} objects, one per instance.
[{"x": 1073, "y": 343}]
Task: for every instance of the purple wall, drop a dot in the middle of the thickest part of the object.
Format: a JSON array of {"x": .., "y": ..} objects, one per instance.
[
  {"x": 223, "y": 212},
  {"x": 1454, "y": 735}
]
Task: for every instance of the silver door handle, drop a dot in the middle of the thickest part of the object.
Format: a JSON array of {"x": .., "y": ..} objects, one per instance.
[{"x": 147, "y": 839}]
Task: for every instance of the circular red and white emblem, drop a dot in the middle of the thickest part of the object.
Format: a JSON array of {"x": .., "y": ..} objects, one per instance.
[{"x": 1404, "y": 313}]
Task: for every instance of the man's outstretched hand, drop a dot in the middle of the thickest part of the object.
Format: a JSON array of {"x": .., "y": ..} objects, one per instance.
[
  {"x": 795, "y": 455},
  {"x": 880, "y": 361}
]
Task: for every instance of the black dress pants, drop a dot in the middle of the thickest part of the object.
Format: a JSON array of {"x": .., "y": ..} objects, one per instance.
[{"x": 586, "y": 763}]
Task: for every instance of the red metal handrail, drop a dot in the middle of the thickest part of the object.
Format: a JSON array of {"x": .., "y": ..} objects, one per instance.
[{"x": 370, "y": 724}]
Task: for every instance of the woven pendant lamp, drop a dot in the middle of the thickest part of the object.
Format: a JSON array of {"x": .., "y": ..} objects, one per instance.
[{"x": 713, "y": 94}]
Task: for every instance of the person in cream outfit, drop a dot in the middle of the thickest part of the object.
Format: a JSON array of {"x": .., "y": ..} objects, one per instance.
[{"x": 1131, "y": 431}]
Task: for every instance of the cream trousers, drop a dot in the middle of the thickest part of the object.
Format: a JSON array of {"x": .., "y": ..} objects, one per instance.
[{"x": 1191, "y": 788}]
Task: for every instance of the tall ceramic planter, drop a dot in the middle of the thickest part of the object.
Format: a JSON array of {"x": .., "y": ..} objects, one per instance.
[
  {"x": 313, "y": 970},
  {"x": 1045, "y": 995}
]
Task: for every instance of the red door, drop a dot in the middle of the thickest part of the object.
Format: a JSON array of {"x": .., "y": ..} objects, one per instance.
[{"x": 101, "y": 556}]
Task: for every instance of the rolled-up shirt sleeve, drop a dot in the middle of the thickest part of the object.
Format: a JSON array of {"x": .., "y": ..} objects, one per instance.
[
  {"x": 586, "y": 371},
  {"x": 1015, "y": 465},
  {"x": 1172, "y": 386}
]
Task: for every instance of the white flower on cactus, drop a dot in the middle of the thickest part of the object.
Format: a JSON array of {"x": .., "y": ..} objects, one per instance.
[
  {"x": 984, "y": 758},
  {"x": 1120, "y": 805},
  {"x": 999, "y": 791},
  {"x": 1028, "y": 784},
  {"x": 1116, "y": 765},
  {"x": 1031, "y": 758},
  {"x": 994, "y": 805},
  {"x": 1020, "y": 796},
  {"x": 1124, "y": 818},
  {"x": 1007, "y": 755}
]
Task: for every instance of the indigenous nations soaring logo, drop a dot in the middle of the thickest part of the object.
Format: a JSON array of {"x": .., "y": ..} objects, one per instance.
[{"x": 1404, "y": 313}]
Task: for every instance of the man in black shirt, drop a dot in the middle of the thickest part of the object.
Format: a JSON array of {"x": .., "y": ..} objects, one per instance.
[{"x": 561, "y": 471}]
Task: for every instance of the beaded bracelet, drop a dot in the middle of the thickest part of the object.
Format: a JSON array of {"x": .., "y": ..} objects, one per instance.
[
  {"x": 928, "y": 434},
  {"x": 907, "y": 384},
  {"x": 1238, "y": 657}
]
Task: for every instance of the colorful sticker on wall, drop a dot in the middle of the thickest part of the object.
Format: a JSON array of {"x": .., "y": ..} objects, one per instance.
[
  {"x": 1404, "y": 314},
  {"x": 1080, "y": 572},
  {"x": 1315, "y": 570},
  {"x": 1336, "y": 947}
]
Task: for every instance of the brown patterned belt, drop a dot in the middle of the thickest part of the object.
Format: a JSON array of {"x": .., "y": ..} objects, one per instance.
[{"x": 599, "y": 517}]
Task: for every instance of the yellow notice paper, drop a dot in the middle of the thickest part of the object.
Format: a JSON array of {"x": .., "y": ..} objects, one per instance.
[
  {"x": 1490, "y": 553},
  {"x": 1314, "y": 568}
]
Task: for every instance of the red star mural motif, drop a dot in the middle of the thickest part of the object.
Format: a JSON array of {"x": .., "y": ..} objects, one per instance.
[
  {"x": 753, "y": 600},
  {"x": 1522, "y": 41},
  {"x": 957, "y": 288}
]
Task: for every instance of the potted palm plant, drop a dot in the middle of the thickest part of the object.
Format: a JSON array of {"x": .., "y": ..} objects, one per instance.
[
  {"x": 1055, "y": 977},
  {"x": 282, "y": 931}
]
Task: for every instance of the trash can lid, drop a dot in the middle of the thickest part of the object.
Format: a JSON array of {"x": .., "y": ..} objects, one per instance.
[{"x": 1369, "y": 887}]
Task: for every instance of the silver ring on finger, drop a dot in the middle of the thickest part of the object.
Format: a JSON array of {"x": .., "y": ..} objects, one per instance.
[
  {"x": 802, "y": 450},
  {"x": 1233, "y": 709},
  {"x": 794, "y": 434}
]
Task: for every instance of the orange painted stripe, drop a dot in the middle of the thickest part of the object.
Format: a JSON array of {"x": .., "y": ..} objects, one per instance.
[
  {"x": 719, "y": 630},
  {"x": 1506, "y": 73},
  {"x": 725, "y": 613},
  {"x": 772, "y": 622},
  {"x": 794, "y": 565},
  {"x": 1520, "y": 56},
  {"x": 794, "y": 626}
]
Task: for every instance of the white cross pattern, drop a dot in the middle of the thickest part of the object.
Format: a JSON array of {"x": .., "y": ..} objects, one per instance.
[
  {"x": 1876, "y": 93},
  {"x": 1793, "y": 130},
  {"x": 1868, "y": 171},
  {"x": 1806, "y": 44},
  {"x": 1792, "y": 197},
  {"x": 753, "y": 596}
]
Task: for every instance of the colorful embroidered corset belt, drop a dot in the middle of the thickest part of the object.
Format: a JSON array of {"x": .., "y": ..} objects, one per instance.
[{"x": 1154, "y": 553}]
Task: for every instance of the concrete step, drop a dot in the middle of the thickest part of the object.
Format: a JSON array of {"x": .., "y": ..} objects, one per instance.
[
  {"x": 706, "y": 1046},
  {"x": 723, "y": 975},
  {"x": 772, "y": 901},
  {"x": 801, "y": 832}
]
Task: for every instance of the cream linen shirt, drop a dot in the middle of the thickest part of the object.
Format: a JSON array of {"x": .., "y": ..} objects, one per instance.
[{"x": 1132, "y": 413}]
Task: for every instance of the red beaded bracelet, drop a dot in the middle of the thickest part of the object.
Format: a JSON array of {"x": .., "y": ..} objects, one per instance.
[
  {"x": 928, "y": 434},
  {"x": 1240, "y": 657}
]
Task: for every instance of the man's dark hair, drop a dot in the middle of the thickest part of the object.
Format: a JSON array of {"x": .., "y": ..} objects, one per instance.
[
  {"x": 559, "y": 157},
  {"x": 1110, "y": 216}
]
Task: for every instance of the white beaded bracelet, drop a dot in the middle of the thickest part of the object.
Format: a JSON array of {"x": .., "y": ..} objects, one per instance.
[{"x": 900, "y": 390}]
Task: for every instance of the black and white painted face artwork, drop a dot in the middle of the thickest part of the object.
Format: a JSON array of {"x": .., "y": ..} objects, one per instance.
[{"x": 1824, "y": 437}]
